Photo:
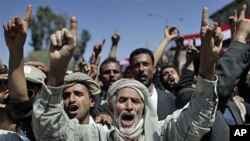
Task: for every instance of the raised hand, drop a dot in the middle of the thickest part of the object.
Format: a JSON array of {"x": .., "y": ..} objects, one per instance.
[
  {"x": 15, "y": 31},
  {"x": 94, "y": 59},
  {"x": 104, "y": 119},
  {"x": 171, "y": 33},
  {"x": 98, "y": 48},
  {"x": 86, "y": 68},
  {"x": 211, "y": 44},
  {"x": 115, "y": 38},
  {"x": 232, "y": 24},
  {"x": 242, "y": 27},
  {"x": 92, "y": 68},
  {"x": 179, "y": 45},
  {"x": 63, "y": 43},
  {"x": 191, "y": 50}
]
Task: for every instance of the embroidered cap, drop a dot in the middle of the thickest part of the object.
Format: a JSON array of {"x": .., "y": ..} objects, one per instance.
[{"x": 34, "y": 74}]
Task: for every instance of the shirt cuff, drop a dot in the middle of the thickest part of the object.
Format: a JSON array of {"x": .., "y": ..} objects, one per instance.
[
  {"x": 204, "y": 84},
  {"x": 52, "y": 94}
]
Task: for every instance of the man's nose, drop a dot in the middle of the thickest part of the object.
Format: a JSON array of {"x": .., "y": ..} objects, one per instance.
[
  {"x": 72, "y": 97},
  {"x": 111, "y": 73},
  {"x": 141, "y": 67},
  {"x": 129, "y": 105}
]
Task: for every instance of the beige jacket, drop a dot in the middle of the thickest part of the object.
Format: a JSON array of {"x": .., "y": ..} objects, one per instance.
[{"x": 190, "y": 123}]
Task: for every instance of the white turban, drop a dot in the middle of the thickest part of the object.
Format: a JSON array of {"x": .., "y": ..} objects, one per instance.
[
  {"x": 150, "y": 121},
  {"x": 129, "y": 83}
]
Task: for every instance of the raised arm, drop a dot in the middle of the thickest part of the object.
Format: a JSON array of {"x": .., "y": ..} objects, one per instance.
[
  {"x": 179, "y": 45},
  {"x": 96, "y": 52},
  {"x": 198, "y": 117},
  {"x": 170, "y": 33},
  {"x": 91, "y": 68},
  {"x": 63, "y": 43},
  {"x": 232, "y": 24},
  {"x": 15, "y": 33},
  {"x": 233, "y": 63},
  {"x": 211, "y": 45},
  {"x": 191, "y": 52},
  {"x": 115, "y": 40},
  {"x": 49, "y": 118}
]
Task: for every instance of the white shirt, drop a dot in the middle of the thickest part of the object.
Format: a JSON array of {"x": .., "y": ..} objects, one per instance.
[
  {"x": 91, "y": 120},
  {"x": 153, "y": 99}
]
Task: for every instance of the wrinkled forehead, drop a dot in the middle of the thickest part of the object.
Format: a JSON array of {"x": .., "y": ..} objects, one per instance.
[
  {"x": 143, "y": 57},
  {"x": 137, "y": 87},
  {"x": 133, "y": 93},
  {"x": 129, "y": 92}
]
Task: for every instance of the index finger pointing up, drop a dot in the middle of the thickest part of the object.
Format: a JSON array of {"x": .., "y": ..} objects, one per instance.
[
  {"x": 242, "y": 12},
  {"x": 204, "y": 19},
  {"x": 73, "y": 25},
  {"x": 28, "y": 13}
]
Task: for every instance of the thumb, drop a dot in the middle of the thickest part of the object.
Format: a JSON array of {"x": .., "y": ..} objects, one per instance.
[{"x": 98, "y": 119}]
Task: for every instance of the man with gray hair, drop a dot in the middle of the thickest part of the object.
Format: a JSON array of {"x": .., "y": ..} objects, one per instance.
[{"x": 134, "y": 117}]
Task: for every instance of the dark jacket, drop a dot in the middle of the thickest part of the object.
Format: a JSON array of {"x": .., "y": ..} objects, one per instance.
[{"x": 166, "y": 104}]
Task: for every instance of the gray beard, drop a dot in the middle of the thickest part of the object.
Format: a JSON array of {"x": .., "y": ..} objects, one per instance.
[
  {"x": 127, "y": 130},
  {"x": 132, "y": 133}
]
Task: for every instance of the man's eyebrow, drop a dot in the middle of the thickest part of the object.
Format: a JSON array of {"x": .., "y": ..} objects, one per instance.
[
  {"x": 123, "y": 97},
  {"x": 136, "y": 98}
]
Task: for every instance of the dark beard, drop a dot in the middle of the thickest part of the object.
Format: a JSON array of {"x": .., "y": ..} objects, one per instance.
[{"x": 171, "y": 87}]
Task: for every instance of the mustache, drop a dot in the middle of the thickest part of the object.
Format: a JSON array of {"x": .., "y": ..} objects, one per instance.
[
  {"x": 141, "y": 75},
  {"x": 127, "y": 113}
]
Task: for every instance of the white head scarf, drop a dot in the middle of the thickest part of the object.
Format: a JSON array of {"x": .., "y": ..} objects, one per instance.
[{"x": 147, "y": 128}]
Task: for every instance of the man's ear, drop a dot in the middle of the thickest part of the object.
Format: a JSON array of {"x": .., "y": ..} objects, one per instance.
[
  {"x": 111, "y": 108},
  {"x": 154, "y": 69},
  {"x": 110, "y": 105},
  {"x": 92, "y": 102}
]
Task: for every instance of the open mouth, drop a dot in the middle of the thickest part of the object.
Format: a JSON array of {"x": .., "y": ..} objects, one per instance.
[
  {"x": 171, "y": 79},
  {"x": 127, "y": 119},
  {"x": 72, "y": 109}
]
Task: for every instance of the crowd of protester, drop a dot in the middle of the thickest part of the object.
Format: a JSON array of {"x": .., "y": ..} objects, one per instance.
[{"x": 152, "y": 99}]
